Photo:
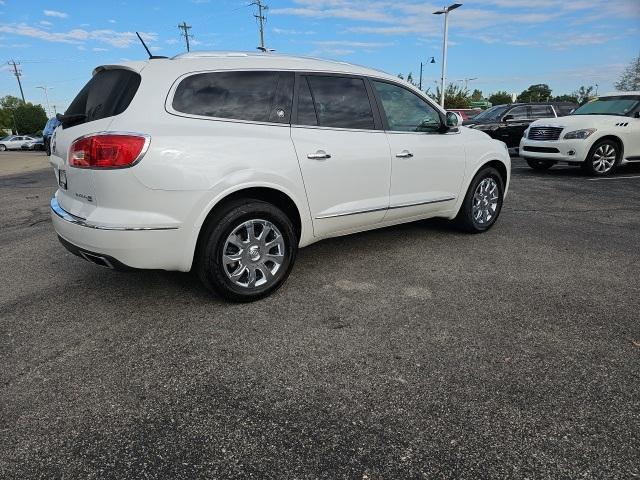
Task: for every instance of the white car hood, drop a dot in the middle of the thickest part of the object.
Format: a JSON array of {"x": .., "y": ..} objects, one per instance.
[{"x": 582, "y": 121}]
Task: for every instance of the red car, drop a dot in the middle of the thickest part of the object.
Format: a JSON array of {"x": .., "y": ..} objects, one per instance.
[{"x": 465, "y": 113}]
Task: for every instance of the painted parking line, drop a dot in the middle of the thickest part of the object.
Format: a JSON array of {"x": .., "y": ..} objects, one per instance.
[{"x": 613, "y": 178}]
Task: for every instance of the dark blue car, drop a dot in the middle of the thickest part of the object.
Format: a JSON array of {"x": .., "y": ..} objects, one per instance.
[{"x": 51, "y": 125}]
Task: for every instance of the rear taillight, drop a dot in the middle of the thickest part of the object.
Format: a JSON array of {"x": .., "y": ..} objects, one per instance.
[{"x": 119, "y": 150}]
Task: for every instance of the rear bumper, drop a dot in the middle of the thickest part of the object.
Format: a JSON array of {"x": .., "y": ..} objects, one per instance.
[{"x": 120, "y": 247}]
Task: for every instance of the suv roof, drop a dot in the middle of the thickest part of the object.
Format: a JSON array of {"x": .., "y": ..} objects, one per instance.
[{"x": 268, "y": 60}]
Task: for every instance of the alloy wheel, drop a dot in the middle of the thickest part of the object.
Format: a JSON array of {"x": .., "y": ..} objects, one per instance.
[
  {"x": 485, "y": 201},
  {"x": 253, "y": 254},
  {"x": 604, "y": 158}
]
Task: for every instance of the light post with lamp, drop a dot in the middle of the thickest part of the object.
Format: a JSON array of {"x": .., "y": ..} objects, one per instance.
[
  {"x": 433, "y": 60},
  {"x": 445, "y": 11}
]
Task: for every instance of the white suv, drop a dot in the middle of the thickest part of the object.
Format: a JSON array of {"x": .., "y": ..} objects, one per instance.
[
  {"x": 599, "y": 136},
  {"x": 226, "y": 163}
]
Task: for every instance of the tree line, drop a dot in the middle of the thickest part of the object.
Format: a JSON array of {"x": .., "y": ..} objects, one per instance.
[{"x": 456, "y": 96}]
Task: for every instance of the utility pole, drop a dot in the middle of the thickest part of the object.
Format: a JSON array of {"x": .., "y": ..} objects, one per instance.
[
  {"x": 185, "y": 33},
  {"x": 18, "y": 73},
  {"x": 46, "y": 96},
  {"x": 443, "y": 78},
  {"x": 261, "y": 19}
]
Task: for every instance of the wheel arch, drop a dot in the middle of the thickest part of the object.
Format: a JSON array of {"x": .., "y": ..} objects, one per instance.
[
  {"x": 270, "y": 194},
  {"x": 608, "y": 136},
  {"x": 493, "y": 162}
]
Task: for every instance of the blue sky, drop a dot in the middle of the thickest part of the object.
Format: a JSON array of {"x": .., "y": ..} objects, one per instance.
[{"x": 506, "y": 44}]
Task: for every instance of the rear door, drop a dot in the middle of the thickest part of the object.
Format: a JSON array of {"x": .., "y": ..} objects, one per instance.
[
  {"x": 342, "y": 150},
  {"x": 107, "y": 94}
]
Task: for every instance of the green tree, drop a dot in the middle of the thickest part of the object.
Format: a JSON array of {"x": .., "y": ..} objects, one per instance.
[
  {"x": 476, "y": 96},
  {"x": 536, "y": 93},
  {"x": 454, "y": 96},
  {"x": 500, "y": 98},
  {"x": 21, "y": 117},
  {"x": 583, "y": 94},
  {"x": 630, "y": 78},
  {"x": 566, "y": 98}
]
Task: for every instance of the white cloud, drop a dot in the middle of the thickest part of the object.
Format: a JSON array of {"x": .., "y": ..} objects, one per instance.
[
  {"x": 348, "y": 43},
  {"x": 98, "y": 49},
  {"x": 78, "y": 35},
  {"x": 171, "y": 41},
  {"x": 284, "y": 31},
  {"x": 45, "y": 23},
  {"x": 54, "y": 13}
]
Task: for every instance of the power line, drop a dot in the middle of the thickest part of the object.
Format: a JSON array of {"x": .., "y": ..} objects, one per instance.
[
  {"x": 18, "y": 73},
  {"x": 261, "y": 19},
  {"x": 185, "y": 33}
]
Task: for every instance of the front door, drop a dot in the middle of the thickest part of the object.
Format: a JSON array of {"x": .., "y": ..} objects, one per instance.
[
  {"x": 342, "y": 151},
  {"x": 427, "y": 163},
  {"x": 513, "y": 125}
]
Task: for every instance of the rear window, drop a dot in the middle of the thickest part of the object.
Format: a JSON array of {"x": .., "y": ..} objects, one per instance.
[
  {"x": 253, "y": 96},
  {"x": 108, "y": 93}
]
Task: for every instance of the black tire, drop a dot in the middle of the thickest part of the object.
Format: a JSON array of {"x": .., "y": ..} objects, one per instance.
[
  {"x": 592, "y": 163},
  {"x": 540, "y": 164},
  {"x": 228, "y": 219},
  {"x": 465, "y": 220},
  {"x": 3, "y": 148}
]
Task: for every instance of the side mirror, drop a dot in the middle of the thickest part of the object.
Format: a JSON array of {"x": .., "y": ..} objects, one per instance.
[
  {"x": 506, "y": 118},
  {"x": 637, "y": 114},
  {"x": 452, "y": 120}
]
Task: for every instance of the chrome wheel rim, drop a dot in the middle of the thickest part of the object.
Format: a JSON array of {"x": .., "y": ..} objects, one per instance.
[
  {"x": 485, "y": 201},
  {"x": 604, "y": 158},
  {"x": 253, "y": 253}
]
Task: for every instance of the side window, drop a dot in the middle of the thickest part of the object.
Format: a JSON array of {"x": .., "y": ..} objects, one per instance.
[
  {"x": 406, "y": 111},
  {"x": 541, "y": 111},
  {"x": 340, "y": 102},
  {"x": 519, "y": 113},
  {"x": 253, "y": 96}
]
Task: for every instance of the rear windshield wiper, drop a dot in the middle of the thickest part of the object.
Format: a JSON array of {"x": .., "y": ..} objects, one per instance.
[{"x": 70, "y": 119}]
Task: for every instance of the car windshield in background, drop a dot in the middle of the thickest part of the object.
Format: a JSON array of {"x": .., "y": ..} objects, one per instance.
[
  {"x": 494, "y": 113},
  {"x": 608, "y": 106}
]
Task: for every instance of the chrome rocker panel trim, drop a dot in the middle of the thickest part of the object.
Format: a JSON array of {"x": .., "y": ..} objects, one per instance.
[{"x": 392, "y": 207}]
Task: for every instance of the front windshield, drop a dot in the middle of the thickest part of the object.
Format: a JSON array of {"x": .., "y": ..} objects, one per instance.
[
  {"x": 494, "y": 113},
  {"x": 8, "y": 137},
  {"x": 608, "y": 106}
]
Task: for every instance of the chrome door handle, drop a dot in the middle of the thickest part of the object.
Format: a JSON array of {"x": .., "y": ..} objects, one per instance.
[
  {"x": 319, "y": 155},
  {"x": 404, "y": 154}
]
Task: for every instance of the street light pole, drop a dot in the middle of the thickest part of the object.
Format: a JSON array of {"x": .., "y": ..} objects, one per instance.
[
  {"x": 443, "y": 79},
  {"x": 433, "y": 60},
  {"x": 46, "y": 96}
]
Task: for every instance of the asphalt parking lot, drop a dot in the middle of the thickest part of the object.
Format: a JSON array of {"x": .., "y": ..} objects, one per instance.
[{"x": 409, "y": 352}]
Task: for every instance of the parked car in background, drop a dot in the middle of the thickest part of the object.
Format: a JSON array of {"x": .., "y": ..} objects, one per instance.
[
  {"x": 508, "y": 122},
  {"x": 226, "y": 163},
  {"x": 599, "y": 136},
  {"x": 36, "y": 144},
  {"x": 466, "y": 113},
  {"x": 51, "y": 125},
  {"x": 14, "y": 142}
]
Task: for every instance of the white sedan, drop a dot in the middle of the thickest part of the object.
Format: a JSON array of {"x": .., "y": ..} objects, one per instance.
[
  {"x": 599, "y": 136},
  {"x": 15, "y": 142}
]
